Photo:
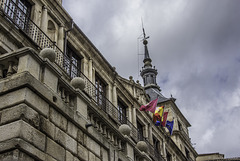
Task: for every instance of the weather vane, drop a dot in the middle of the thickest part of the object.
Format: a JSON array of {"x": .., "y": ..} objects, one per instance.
[{"x": 144, "y": 34}]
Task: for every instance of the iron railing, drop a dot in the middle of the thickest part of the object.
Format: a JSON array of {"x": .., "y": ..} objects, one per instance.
[
  {"x": 23, "y": 22},
  {"x": 154, "y": 153}
]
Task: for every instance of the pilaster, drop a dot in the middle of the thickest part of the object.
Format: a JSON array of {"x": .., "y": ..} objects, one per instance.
[
  {"x": 114, "y": 93},
  {"x": 90, "y": 68},
  {"x": 150, "y": 133},
  {"x": 60, "y": 42},
  {"x": 134, "y": 119},
  {"x": 44, "y": 20}
]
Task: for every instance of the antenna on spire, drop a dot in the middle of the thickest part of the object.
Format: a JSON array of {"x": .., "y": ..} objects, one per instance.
[{"x": 144, "y": 34}]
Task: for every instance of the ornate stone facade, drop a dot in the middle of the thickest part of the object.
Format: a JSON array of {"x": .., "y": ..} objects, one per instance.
[{"x": 76, "y": 108}]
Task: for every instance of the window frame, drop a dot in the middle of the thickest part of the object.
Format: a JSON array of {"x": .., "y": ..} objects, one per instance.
[
  {"x": 140, "y": 129},
  {"x": 156, "y": 144},
  {"x": 122, "y": 111},
  {"x": 100, "y": 92},
  {"x": 72, "y": 62}
]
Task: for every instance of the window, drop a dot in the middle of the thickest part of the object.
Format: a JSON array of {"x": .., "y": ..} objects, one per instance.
[
  {"x": 140, "y": 130},
  {"x": 18, "y": 11},
  {"x": 100, "y": 92},
  {"x": 169, "y": 156},
  {"x": 72, "y": 63},
  {"x": 179, "y": 126},
  {"x": 156, "y": 144},
  {"x": 187, "y": 153},
  {"x": 122, "y": 112},
  {"x": 51, "y": 30}
]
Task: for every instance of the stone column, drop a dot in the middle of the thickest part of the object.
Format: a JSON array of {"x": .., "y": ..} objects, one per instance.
[
  {"x": 134, "y": 91},
  {"x": 145, "y": 131},
  {"x": 109, "y": 92},
  {"x": 114, "y": 93},
  {"x": 164, "y": 149},
  {"x": 60, "y": 42},
  {"x": 129, "y": 109},
  {"x": 44, "y": 21},
  {"x": 84, "y": 66},
  {"x": 90, "y": 62},
  {"x": 93, "y": 75},
  {"x": 150, "y": 133},
  {"x": 129, "y": 151},
  {"x": 134, "y": 117}
]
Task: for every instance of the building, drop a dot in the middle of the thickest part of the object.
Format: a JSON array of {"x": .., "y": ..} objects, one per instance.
[
  {"x": 214, "y": 157},
  {"x": 60, "y": 99}
]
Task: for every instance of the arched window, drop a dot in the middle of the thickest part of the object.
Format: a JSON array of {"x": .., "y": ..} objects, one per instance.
[{"x": 51, "y": 30}]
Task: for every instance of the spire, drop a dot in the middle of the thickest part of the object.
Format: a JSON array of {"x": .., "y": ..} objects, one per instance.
[{"x": 148, "y": 72}]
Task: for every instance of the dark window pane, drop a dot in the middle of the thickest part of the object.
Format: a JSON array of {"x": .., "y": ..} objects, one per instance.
[
  {"x": 73, "y": 63},
  {"x": 140, "y": 131},
  {"x": 100, "y": 92},
  {"x": 122, "y": 112}
]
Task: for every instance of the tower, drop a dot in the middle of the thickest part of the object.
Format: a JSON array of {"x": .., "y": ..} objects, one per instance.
[{"x": 149, "y": 73}]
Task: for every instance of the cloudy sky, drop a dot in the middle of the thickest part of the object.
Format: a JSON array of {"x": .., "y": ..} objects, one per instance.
[{"x": 195, "y": 45}]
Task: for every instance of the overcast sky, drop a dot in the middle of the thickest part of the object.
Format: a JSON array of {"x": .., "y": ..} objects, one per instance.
[{"x": 194, "y": 44}]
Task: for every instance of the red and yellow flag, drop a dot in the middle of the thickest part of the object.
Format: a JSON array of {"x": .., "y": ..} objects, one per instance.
[{"x": 158, "y": 114}]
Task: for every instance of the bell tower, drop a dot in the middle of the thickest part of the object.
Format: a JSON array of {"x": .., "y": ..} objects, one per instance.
[{"x": 149, "y": 73}]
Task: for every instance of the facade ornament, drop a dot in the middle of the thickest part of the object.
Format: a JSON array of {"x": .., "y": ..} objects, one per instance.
[
  {"x": 48, "y": 53},
  {"x": 78, "y": 83}
]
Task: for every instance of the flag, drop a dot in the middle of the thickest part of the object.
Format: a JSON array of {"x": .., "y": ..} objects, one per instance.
[
  {"x": 169, "y": 125},
  {"x": 158, "y": 114},
  {"x": 164, "y": 119},
  {"x": 151, "y": 106},
  {"x": 158, "y": 123}
]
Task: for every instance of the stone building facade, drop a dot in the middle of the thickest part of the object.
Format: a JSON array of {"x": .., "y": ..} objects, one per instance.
[
  {"x": 215, "y": 157},
  {"x": 60, "y": 99}
]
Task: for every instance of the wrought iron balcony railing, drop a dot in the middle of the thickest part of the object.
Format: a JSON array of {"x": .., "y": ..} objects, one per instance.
[{"x": 154, "y": 153}]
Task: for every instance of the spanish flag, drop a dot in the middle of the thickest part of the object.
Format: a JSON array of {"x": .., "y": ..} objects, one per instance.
[{"x": 158, "y": 114}]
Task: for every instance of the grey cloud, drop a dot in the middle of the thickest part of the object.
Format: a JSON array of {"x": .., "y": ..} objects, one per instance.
[{"x": 194, "y": 45}]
